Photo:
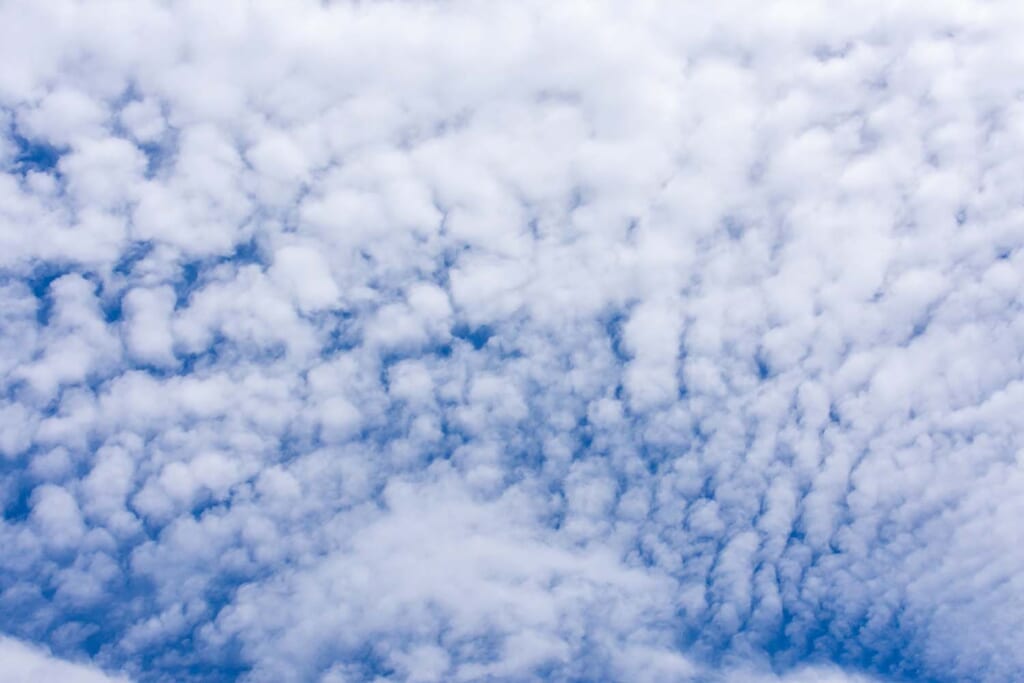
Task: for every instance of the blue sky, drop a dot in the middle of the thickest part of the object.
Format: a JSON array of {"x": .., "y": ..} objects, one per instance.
[{"x": 460, "y": 341}]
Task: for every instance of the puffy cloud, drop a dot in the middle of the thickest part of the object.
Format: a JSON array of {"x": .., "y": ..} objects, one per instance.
[
  {"x": 460, "y": 341},
  {"x": 24, "y": 663}
]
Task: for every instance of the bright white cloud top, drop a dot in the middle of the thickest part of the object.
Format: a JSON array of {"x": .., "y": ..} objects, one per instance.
[
  {"x": 23, "y": 664},
  {"x": 534, "y": 341}
]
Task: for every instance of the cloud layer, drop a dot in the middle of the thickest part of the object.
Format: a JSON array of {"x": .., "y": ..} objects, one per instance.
[{"x": 465, "y": 341}]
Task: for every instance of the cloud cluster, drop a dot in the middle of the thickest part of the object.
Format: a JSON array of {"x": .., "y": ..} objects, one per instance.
[{"x": 465, "y": 341}]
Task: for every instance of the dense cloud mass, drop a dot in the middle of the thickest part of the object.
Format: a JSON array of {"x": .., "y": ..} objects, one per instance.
[{"x": 574, "y": 341}]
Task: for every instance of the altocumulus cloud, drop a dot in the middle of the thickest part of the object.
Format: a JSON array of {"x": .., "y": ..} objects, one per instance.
[{"x": 470, "y": 341}]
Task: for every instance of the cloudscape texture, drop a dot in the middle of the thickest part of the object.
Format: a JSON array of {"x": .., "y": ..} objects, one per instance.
[{"x": 582, "y": 341}]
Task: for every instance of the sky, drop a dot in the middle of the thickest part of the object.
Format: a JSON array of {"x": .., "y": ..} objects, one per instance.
[{"x": 456, "y": 340}]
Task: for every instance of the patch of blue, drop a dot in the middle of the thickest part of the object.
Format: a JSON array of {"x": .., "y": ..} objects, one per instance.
[
  {"x": 34, "y": 155},
  {"x": 187, "y": 283},
  {"x": 613, "y": 327},
  {"x": 477, "y": 336},
  {"x": 45, "y": 273},
  {"x": 17, "y": 490},
  {"x": 920, "y": 327},
  {"x": 822, "y": 639},
  {"x": 154, "y": 158},
  {"x": 764, "y": 370},
  {"x": 246, "y": 253},
  {"x": 132, "y": 255},
  {"x": 39, "y": 282},
  {"x": 191, "y": 272},
  {"x": 343, "y": 335},
  {"x": 584, "y": 436},
  {"x": 113, "y": 307},
  {"x": 222, "y": 350}
]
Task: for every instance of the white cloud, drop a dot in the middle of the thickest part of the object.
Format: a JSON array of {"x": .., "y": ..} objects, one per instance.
[
  {"x": 303, "y": 273},
  {"x": 444, "y": 341},
  {"x": 23, "y": 663},
  {"x": 148, "y": 324}
]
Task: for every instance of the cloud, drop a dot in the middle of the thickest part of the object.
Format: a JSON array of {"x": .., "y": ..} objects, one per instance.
[
  {"x": 24, "y": 663},
  {"x": 458, "y": 341}
]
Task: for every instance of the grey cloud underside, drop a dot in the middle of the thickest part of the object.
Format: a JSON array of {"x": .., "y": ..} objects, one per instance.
[{"x": 535, "y": 341}]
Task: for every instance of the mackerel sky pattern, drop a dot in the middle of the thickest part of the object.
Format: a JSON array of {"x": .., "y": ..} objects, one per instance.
[{"x": 576, "y": 341}]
